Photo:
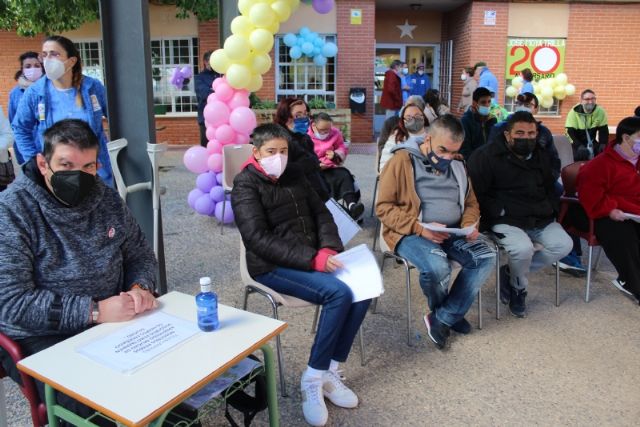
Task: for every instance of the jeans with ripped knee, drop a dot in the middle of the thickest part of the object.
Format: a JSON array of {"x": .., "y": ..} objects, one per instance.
[{"x": 433, "y": 261}]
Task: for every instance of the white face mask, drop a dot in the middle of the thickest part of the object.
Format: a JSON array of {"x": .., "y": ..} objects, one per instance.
[
  {"x": 321, "y": 136},
  {"x": 54, "y": 68},
  {"x": 463, "y": 76},
  {"x": 421, "y": 72},
  {"x": 274, "y": 165},
  {"x": 32, "y": 74},
  {"x": 405, "y": 71},
  {"x": 523, "y": 108}
]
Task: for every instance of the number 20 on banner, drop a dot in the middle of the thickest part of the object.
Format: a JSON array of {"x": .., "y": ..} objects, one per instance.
[{"x": 545, "y": 58}]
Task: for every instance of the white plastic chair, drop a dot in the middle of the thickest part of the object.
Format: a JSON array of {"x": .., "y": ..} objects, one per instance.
[
  {"x": 233, "y": 157},
  {"x": 280, "y": 300}
]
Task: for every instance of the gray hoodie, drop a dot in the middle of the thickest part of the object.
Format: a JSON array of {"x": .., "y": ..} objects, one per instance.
[{"x": 54, "y": 259}]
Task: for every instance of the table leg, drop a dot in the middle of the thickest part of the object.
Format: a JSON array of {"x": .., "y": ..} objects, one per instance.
[
  {"x": 3, "y": 405},
  {"x": 272, "y": 393},
  {"x": 50, "y": 400}
]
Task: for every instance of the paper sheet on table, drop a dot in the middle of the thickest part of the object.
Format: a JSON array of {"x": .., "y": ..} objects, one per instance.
[
  {"x": 632, "y": 217},
  {"x": 361, "y": 273},
  {"x": 455, "y": 231},
  {"x": 347, "y": 227},
  {"x": 135, "y": 345}
]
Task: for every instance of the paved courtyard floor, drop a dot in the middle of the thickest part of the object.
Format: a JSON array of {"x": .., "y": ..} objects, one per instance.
[{"x": 577, "y": 364}]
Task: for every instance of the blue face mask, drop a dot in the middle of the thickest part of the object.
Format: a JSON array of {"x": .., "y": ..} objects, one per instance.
[
  {"x": 483, "y": 111},
  {"x": 301, "y": 125},
  {"x": 438, "y": 163}
]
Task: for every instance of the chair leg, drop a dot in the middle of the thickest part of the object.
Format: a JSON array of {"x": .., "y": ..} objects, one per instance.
[
  {"x": 375, "y": 300},
  {"x": 586, "y": 296},
  {"x": 408, "y": 284},
  {"x": 480, "y": 309},
  {"x": 497, "y": 283},
  {"x": 557, "y": 284},
  {"x": 376, "y": 234},
  {"x": 374, "y": 305},
  {"x": 247, "y": 291},
  {"x": 363, "y": 359},
  {"x": 314, "y": 326},
  {"x": 224, "y": 205},
  {"x": 375, "y": 191}
]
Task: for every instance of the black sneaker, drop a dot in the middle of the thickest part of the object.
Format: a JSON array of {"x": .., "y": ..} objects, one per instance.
[
  {"x": 438, "y": 331},
  {"x": 356, "y": 210},
  {"x": 505, "y": 284},
  {"x": 462, "y": 326},
  {"x": 517, "y": 304}
]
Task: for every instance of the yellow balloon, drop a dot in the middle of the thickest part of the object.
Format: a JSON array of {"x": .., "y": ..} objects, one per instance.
[
  {"x": 255, "y": 84},
  {"x": 282, "y": 10},
  {"x": 237, "y": 47},
  {"x": 517, "y": 82},
  {"x": 562, "y": 79},
  {"x": 238, "y": 76},
  {"x": 511, "y": 92},
  {"x": 546, "y": 102},
  {"x": 569, "y": 89},
  {"x": 219, "y": 61},
  {"x": 241, "y": 25},
  {"x": 262, "y": 15},
  {"x": 558, "y": 90},
  {"x": 547, "y": 92},
  {"x": 244, "y": 6},
  {"x": 274, "y": 27},
  {"x": 294, "y": 4},
  {"x": 261, "y": 40},
  {"x": 261, "y": 63}
]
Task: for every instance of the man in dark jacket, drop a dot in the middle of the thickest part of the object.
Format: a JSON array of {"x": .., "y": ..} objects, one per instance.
[
  {"x": 391, "y": 99},
  {"x": 71, "y": 252},
  {"x": 514, "y": 184},
  {"x": 202, "y": 82},
  {"x": 477, "y": 122}
]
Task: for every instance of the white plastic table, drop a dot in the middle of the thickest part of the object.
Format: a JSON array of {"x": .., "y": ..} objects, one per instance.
[{"x": 145, "y": 396}]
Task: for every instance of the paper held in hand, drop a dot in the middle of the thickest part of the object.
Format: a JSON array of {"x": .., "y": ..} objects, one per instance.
[
  {"x": 347, "y": 227},
  {"x": 455, "y": 231},
  {"x": 632, "y": 217},
  {"x": 361, "y": 273}
]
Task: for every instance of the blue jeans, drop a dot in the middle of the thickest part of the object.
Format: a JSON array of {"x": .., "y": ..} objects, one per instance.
[
  {"x": 523, "y": 257},
  {"x": 432, "y": 261},
  {"x": 340, "y": 318}
]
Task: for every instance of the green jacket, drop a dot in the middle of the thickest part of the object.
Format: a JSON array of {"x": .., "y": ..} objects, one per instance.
[{"x": 579, "y": 123}]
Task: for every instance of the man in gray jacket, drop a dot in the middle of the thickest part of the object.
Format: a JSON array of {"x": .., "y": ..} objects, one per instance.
[{"x": 71, "y": 253}]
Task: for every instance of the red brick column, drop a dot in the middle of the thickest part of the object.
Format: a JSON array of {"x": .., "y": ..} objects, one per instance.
[
  {"x": 456, "y": 26},
  {"x": 12, "y": 47},
  {"x": 208, "y": 37}
]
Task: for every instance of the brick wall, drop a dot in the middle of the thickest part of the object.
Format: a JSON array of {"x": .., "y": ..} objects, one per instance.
[
  {"x": 208, "y": 37},
  {"x": 456, "y": 26},
  {"x": 12, "y": 47},
  {"x": 356, "y": 51},
  {"x": 178, "y": 130}
]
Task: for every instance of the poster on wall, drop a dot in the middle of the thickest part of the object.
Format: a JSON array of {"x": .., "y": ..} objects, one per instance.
[{"x": 544, "y": 57}]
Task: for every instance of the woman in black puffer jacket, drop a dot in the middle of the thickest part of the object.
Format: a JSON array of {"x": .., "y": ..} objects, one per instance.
[{"x": 290, "y": 239}]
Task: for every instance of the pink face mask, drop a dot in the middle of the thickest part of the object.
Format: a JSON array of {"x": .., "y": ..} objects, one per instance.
[
  {"x": 274, "y": 165},
  {"x": 32, "y": 74}
]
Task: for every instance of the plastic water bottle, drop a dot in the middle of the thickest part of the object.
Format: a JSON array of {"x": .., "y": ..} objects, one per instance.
[{"x": 207, "y": 302}]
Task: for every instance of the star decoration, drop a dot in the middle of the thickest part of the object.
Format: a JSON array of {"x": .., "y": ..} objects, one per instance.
[{"x": 406, "y": 29}]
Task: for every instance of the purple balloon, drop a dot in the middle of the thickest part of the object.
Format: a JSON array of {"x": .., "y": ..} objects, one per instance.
[
  {"x": 217, "y": 194},
  {"x": 206, "y": 181},
  {"x": 194, "y": 195},
  {"x": 322, "y": 6},
  {"x": 204, "y": 205},
  {"x": 219, "y": 177},
  {"x": 228, "y": 213}
]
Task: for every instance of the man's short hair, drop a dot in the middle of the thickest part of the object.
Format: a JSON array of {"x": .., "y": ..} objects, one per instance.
[
  {"x": 396, "y": 63},
  {"x": 267, "y": 132},
  {"x": 527, "y": 97},
  {"x": 479, "y": 64},
  {"x": 586, "y": 91},
  {"x": 637, "y": 111},
  {"x": 481, "y": 92},
  {"x": 449, "y": 123},
  {"x": 74, "y": 132},
  {"x": 206, "y": 56},
  {"x": 520, "y": 117},
  {"x": 628, "y": 126}
]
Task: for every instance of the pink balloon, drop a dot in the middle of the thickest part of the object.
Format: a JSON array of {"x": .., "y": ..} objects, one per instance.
[
  {"x": 211, "y": 133},
  {"x": 193, "y": 196},
  {"x": 214, "y": 164},
  {"x": 195, "y": 159},
  {"x": 239, "y": 99},
  {"x": 225, "y": 134},
  {"x": 214, "y": 147},
  {"x": 242, "y": 138},
  {"x": 217, "y": 194},
  {"x": 204, "y": 205},
  {"x": 206, "y": 181},
  {"x": 228, "y": 212},
  {"x": 224, "y": 92},
  {"x": 217, "y": 82},
  {"x": 212, "y": 97},
  {"x": 216, "y": 113},
  {"x": 242, "y": 119}
]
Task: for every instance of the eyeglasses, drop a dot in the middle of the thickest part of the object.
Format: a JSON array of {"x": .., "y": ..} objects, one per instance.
[
  {"x": 300, "y": 115},
  {"x": 413, "y": 117},
  {"x": 589, "y": 99},
  {"x": 528, "y": 104}
]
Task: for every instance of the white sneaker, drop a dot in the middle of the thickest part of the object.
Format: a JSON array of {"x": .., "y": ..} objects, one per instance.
[
  {"x": 619, "y": 284},
  {"x": 313, "y": 406},
  {"x": 338, "y": 393}
]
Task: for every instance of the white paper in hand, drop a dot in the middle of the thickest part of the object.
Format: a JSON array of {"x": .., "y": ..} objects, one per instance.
[
  {"x": 455, "y": 231},
  {"x": 347, "y": 227},
  {"x": 632, "y": 217},
  {"x": 361, "y": 273}
]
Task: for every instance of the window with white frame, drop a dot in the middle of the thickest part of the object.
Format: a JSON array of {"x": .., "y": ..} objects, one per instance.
[
  {"x": 510, "y": 105},
  {"x": 92, "y": 58},
  {"x": 302, "y": 78},
  {"x": 166, "y": 55}
]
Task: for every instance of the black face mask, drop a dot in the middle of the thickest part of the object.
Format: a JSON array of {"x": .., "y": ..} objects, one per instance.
[
  {"x": 438, "y": 163},
  {"x": 72, "y": 187},
  {"x": 523, "y": 146}
]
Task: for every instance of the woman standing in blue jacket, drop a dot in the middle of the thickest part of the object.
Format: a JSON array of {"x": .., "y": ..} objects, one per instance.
[{"x": 64, "y": 94}]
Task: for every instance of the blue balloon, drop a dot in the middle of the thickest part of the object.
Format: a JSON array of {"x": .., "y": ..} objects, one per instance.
[
  {"x": 317, "y": 51},
  {"x": 290, "y": 39},
  {"x": 307, "y": 48},
  {"x": 314, "y": 36},
  {"x": 295, "y": 52},
  {"x": 304, "y": 31},
  {"x": 301, "y": 40},
  {"x": 319, "y": 60},
  {"x": 318, "y": 42},
  {"x": 329, "y": 50}
]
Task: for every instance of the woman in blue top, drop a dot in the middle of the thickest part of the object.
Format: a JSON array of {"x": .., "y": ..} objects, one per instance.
[
  {"x": 29, "y": 72},
  {"x": 527, "y": 78},
  {"x": 64, "y": 94}
]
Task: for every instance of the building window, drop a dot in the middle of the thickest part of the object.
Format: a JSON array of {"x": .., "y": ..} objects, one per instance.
[
  {"x": 302, "y": 78},
  {"x": 510, "y": 105},
  {"x": 166, "y": 55},
  {"x": 92, "y": 58}
]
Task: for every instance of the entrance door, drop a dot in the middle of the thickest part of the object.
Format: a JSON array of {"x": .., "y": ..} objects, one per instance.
[{"x": 428, "y": 54}]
